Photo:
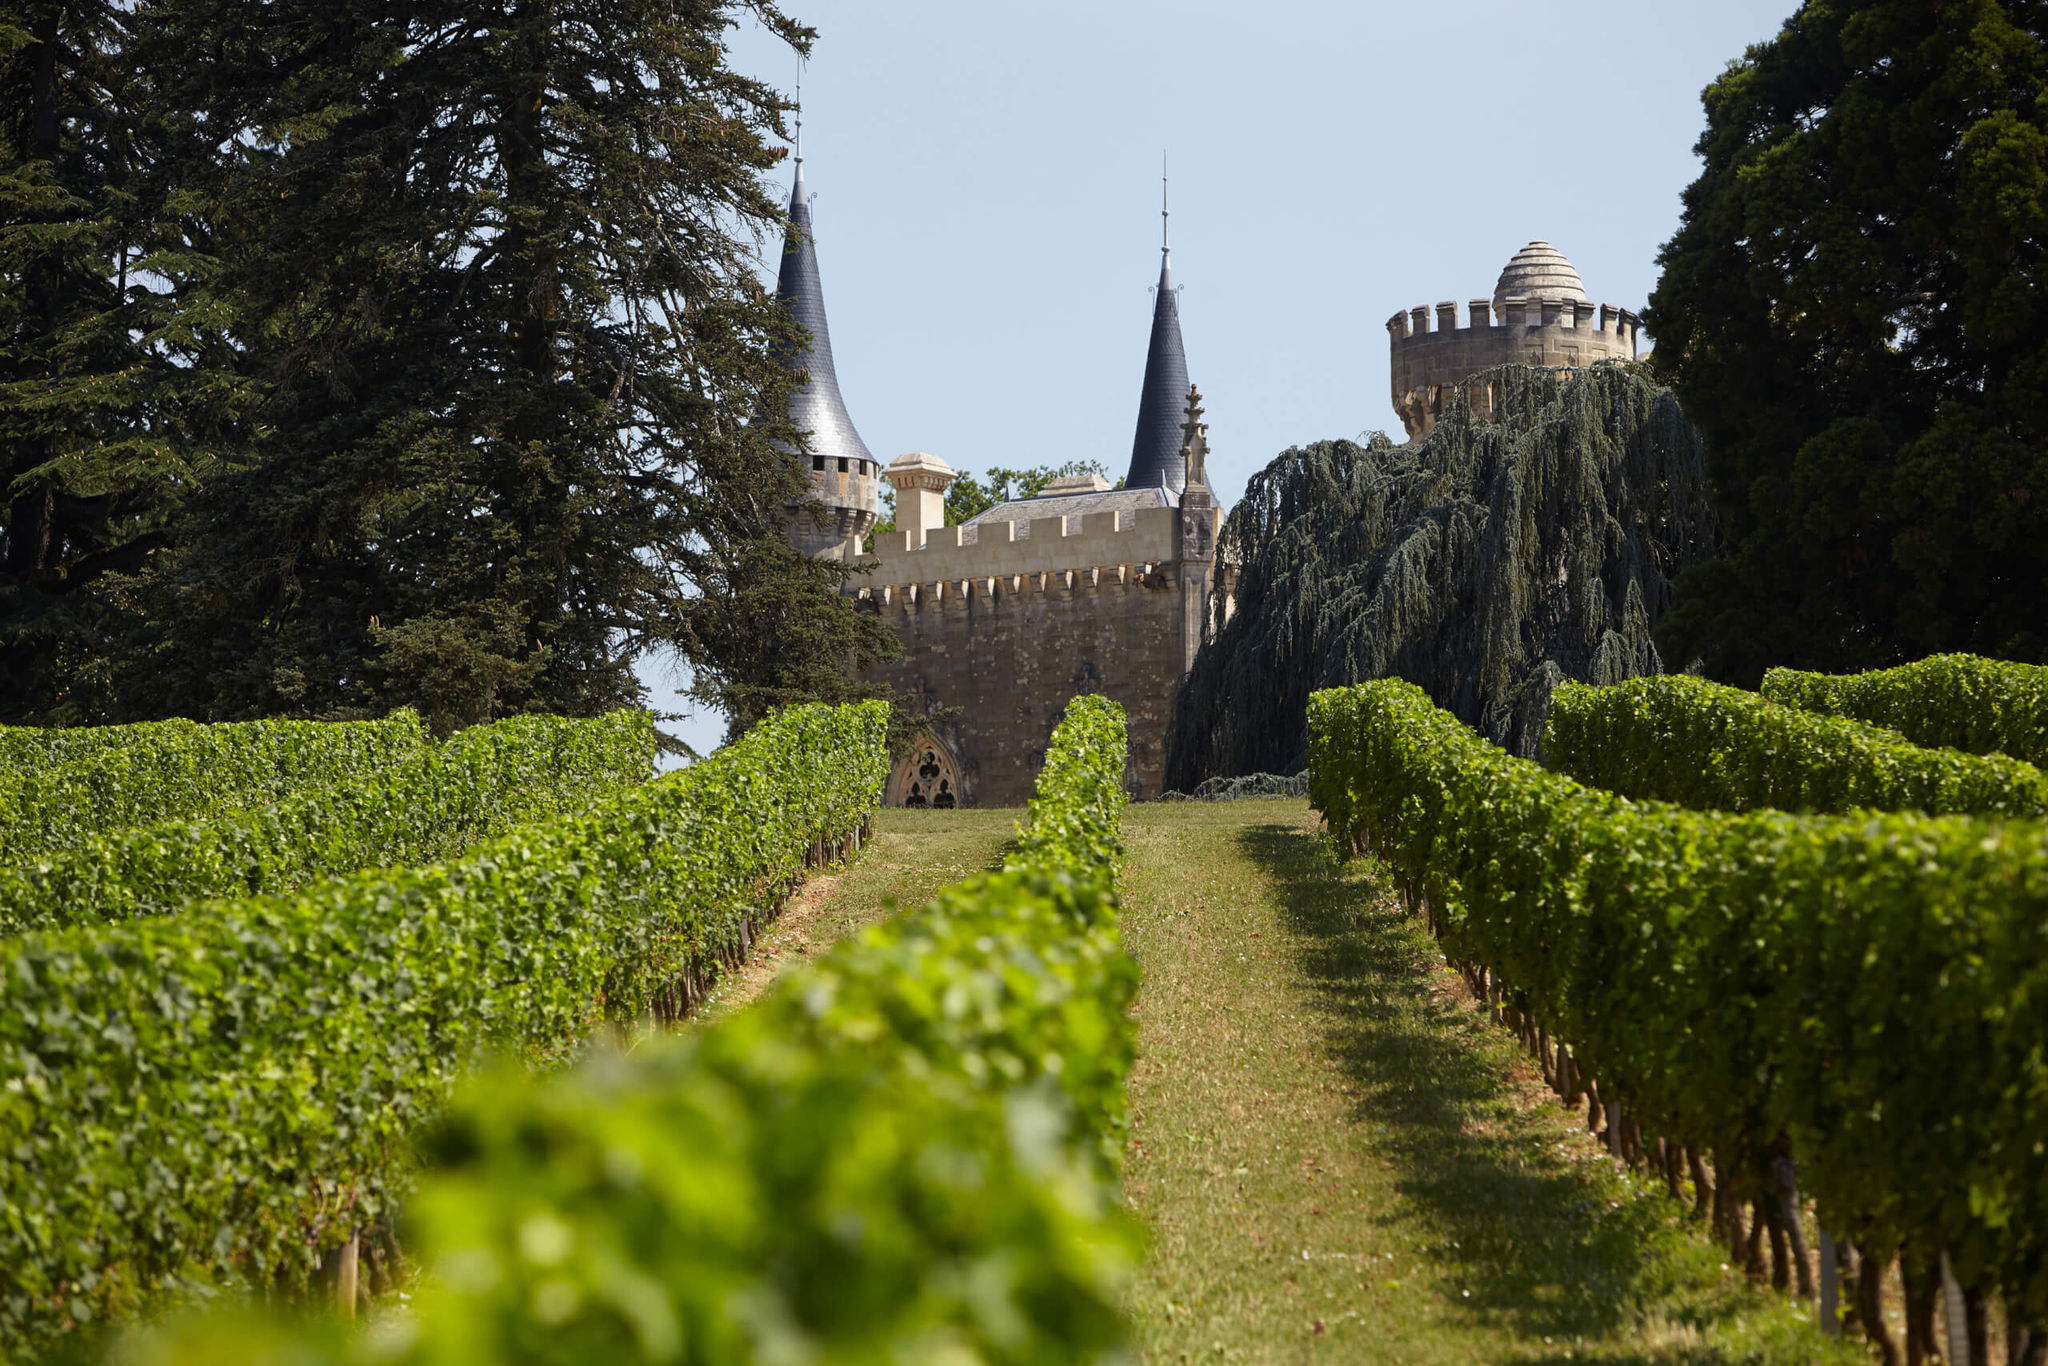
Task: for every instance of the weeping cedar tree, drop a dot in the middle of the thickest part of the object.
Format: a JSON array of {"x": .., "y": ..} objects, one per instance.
[
  {"x": 491, "y": 276},
  {"x": 1853, "y": 310},
  {"x": 1485, "y": 563},
  {"x": 88, "y": 352}
]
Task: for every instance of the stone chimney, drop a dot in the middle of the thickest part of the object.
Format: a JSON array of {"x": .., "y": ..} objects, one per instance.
[{"x": 920, "y": 482}]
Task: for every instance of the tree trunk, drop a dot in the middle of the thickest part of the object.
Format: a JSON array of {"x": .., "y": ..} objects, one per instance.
[
  {"x": 1720, "y": 1221},
  {"x": 1702, "y": 1188},
  {"x": 1919, "y": 1285},
  {"x": 1787, "y": 1172},
  {"x": 1781, "y": 1260},
  {"x": 2024, "y": 1345},
  {"x": 1870, "y": 1308}
]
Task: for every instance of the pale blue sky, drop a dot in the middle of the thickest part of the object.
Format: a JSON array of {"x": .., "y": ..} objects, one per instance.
[{"x": 987, "y": 198}]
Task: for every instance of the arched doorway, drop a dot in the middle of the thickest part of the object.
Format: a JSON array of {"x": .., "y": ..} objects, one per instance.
[{"x": 926, "y": 778}]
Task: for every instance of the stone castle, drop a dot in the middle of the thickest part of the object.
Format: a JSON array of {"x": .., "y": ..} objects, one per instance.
[
  {"x": 1087, "y": 587},
  {"x": 1538, "y": 315}
]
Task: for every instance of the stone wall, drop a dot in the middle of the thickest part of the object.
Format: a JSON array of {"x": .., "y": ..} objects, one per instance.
[
  {"x": 1429, "y": 362},
  {"x": 847, "y": 494},
  {"x": 1025, "y": 616}
]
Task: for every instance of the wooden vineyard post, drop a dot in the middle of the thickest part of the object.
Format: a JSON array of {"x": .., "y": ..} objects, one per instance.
[
  {"x": 1955, "y": 1317},
  {"x": 338, "y": 1268},
  {"x": 1830, "y": 1287}
]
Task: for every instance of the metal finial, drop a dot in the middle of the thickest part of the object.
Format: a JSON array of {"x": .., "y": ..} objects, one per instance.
[
  {"x": 1165, "y": 214},
  {"x": 799, "y": 113}
]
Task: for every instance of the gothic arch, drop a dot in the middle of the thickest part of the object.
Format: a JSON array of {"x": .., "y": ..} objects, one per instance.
[{"x": 927, "y": 777}]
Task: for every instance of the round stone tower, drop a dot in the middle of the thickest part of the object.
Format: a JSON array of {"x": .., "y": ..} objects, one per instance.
[{"x": 1538, "y": 315}]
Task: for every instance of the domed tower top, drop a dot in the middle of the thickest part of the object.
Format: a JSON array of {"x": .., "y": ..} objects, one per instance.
[
  {"x": 1539, "y": 271},
  {"x": 1539, "y": 315}
]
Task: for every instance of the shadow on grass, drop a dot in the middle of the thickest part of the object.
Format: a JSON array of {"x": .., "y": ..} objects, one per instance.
[{"x": 1538, "y": 1241}]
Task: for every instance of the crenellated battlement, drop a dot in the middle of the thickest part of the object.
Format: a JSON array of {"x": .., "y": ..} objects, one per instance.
[
  {"x": 1431, "y": 353},
  {"x": 1522, "y": 314},
  {"x": 846, "y": 494},
  {"x": 1120, "y": 547},
  {"x": 1538, "y": 315}
]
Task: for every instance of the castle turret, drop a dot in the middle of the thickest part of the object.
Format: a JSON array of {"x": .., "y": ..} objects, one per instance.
[
  {"x": 1538, "y": 315},
  {"x": 920, "y": 482},
  {"x": 1162, "y": 404},
  {"x": 845, "y": 479}
]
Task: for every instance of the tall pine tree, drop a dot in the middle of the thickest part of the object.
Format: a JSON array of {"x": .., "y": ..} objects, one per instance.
[
  {"x": 93, "y": 469},
  {"x": 493, "y": 270}
]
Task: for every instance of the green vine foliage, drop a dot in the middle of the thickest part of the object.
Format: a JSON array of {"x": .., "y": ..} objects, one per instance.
[
  {"x": 180, "y": 770},
  {"x": 1864, "y": 991},
  {"x": 1487, "y": 562},
  {"x": 1982, "y": 706},
  {"x": 30, "y": 746},
  {"x": 225, "y": 1093},
  {"x": 1704, "y": 745},
  {"x": 905, "y": 1152},
  {"x": 479, "y": 783}
]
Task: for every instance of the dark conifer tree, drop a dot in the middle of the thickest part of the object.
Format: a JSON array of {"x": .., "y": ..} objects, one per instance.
[
  {"x": 92, "y": 472},
  {"x": 493, "y": 273},
  {"x": 767, "y": 627}
]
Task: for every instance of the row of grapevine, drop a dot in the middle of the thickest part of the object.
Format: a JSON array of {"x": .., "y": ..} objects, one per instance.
[
  {"x": 424, "y": 808},
  {"x": 1704, "y": 745},
  {"x": 228, "y": 1092},
  {"x": 1854, "y": 1002},
  {"x": 1982, "y": 706},
  {"x": 167, "y": 771},
  {"x": 904, "y": 1152}
]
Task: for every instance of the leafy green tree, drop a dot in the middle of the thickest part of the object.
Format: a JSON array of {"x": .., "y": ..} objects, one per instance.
[
  {"x": 968, "y": 497},
  {"x": 1853, "y": 310},
  {"x": 492, "y": 276}
]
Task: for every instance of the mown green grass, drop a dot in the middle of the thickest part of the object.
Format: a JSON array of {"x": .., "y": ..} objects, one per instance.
[
  {"x": 910, "y": 855},
  {"x": 1340, "y": 1160}
]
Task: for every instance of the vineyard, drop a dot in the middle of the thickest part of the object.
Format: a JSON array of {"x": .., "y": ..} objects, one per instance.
[
  {"x": 313, "y": 1017},
  {"x": 271, "y": 984},
  {"x": 1788, "y": 959}
]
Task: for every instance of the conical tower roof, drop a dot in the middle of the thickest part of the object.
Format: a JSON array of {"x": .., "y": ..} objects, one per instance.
[
  {"x": 817, "y": 407},
  {"x": 1538, "y": 271},
  {"x": 1162, "y": 404}
]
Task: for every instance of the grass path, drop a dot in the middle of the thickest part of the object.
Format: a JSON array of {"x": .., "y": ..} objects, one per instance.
[
  {"x": 1340, "y": 1161},
  {"x": 911, "y": 855}
]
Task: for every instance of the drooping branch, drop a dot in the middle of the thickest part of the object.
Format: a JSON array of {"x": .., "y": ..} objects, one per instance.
[{"x": 1501, "y": 554}]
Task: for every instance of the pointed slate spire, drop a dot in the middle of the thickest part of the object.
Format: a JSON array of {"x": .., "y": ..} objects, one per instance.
[
  {"x": 817, "y": 407},
  {"x": 1162, "y": 404}
]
